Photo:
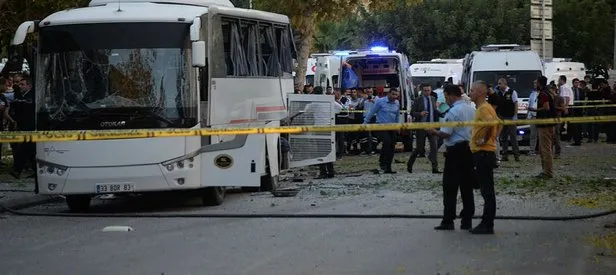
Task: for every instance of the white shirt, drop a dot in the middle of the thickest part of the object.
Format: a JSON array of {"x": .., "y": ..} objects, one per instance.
[
  {"x": 532, "y": 103},
  {"x": 338, "y": 107},
  {"x": 566, "y": 91}
]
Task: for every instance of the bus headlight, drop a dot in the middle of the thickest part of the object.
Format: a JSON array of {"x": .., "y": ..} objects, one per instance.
[
  {"x": 50, "y": 168},
  {"x": 180, "y": 162}
]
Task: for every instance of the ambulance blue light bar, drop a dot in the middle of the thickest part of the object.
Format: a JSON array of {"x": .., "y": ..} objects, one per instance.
[{"x": 379, "y": 49}]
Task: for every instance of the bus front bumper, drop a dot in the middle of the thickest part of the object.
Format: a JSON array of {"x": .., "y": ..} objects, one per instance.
[{"x": 114, "y": 180}]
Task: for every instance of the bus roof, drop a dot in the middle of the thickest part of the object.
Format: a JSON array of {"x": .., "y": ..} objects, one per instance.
[{"x": 150, "y": 12}]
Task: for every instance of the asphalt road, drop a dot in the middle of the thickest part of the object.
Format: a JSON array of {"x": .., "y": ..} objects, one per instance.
[{"x": 42, "y": 245}]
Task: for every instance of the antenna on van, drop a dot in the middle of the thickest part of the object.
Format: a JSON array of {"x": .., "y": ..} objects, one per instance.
[{"x": 119, "y": 5}]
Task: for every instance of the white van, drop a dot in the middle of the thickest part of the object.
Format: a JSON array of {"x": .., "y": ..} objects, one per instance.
[
  {"x": 518, "y": 64},
  {"x": 437, "y": 71},
  {"x": 328, "y": 69},
  {"x": 311, "y": 68},
  {"x": 556, "y": 67}
]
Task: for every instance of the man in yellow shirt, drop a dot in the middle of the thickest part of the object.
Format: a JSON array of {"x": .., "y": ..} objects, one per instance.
[{"x": 483, "y": 146}]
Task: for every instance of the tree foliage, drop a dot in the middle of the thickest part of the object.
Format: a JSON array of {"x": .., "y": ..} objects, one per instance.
[
  {"x": 16, "y": 12},
  {"x": 305, "y": 15},
  {"x": 583, "y": 29}
]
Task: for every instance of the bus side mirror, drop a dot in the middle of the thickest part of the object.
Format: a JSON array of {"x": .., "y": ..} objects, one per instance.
[
  {"x": 198, "y": 54},
  {"x": 195, "y": 30},
  {"x": 22, "y": 31}
]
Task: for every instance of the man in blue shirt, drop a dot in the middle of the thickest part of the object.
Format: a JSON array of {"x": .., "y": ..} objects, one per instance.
[
  {"x": 387, "y": 110},
  {"x": 459, "y": 169}
]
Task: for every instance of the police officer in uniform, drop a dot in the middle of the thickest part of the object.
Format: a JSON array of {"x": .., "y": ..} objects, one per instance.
[
  {"x": 508, "y": 109},
  {"x": 458, "y": 173}
]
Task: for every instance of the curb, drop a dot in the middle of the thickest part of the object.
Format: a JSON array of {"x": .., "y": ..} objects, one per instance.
[{"x": 21, "y": 203}]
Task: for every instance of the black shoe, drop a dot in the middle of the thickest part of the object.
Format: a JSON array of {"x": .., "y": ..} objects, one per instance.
[
  {"x": 543, "y": 176},
  {"x": 445, "y": 226},
  {"x": 389, "y": 172},
  {"x": 436, "y": 171},
  {"x": 482, "y": 230},
  {"x": 466, "y": 225},
  {"x": 409, "y": 169}
]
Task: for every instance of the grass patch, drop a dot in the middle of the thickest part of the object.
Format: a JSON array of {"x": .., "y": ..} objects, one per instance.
[
  {"x": 559, "y": 185},
  {"x": 606, "y": 242},
  {"x": 603, "y": 200}
]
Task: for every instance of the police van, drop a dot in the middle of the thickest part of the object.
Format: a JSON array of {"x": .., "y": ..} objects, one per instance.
[{"x": 518, "y": 64}]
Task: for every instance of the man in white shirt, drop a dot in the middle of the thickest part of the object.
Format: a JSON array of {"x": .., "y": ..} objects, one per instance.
[
  {"x": 532, "y": 105},
  {"x": 565, "y": 90},
  {"x": 566, "y": 93}
]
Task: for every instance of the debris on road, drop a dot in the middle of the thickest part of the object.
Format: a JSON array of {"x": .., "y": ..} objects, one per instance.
[{"x": 117, "y": 228}]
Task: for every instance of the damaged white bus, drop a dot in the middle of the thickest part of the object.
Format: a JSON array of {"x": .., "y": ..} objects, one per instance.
[{"x": 139, "y": 64}]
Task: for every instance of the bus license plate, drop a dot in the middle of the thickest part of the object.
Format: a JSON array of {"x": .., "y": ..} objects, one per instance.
[{"x": 114, "y": 188}]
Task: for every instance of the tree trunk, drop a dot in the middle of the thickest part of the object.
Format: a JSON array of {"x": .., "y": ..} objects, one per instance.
[{"x": 306, "y": 29}]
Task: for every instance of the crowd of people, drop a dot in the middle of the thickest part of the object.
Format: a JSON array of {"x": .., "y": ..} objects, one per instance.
[
  {"x": 18, "y": 114},
  {"x": 471, "y": 153}
]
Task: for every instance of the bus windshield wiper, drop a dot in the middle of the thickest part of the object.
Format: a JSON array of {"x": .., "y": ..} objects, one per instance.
[
  {"x": 149, "y": 113},
  {"x": 123, "y": 111}
]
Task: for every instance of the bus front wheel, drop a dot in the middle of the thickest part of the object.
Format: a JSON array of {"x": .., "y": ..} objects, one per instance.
[
  {"x": 213, "y": 196},
  {"x": 78, "y": 203}
]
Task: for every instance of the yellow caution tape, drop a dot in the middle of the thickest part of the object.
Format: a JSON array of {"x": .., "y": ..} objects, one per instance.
[
  {"x": 364, "y": 111},
  {"x": 592, "y": 101},
  {"x": 575, "y": 107},
  {"x": 40, "y": 136},
  {"x": 594, "y": 106}
]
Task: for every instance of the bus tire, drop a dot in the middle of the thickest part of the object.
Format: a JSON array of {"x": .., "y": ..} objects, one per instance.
[
  {"x": 78, "y": 203},
  {"x": 213, "y": 196}
]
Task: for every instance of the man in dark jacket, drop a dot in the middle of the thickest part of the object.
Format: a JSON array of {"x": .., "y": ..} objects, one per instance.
[
  {"x": 424, "y": 110},
  {"x": 508, "y": 110},
  {"x": 23, "y": 107}
]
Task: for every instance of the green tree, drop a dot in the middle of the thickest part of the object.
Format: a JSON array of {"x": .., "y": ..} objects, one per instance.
[
  {"x": 450, "y": 29},
  {"x": 332, "y": 35},
  {"x": 16, "y": 12},
  {"x": 584, "y": 30},
  {"x": 241, "y": 3},
  {"x": 305, "y": 16}
]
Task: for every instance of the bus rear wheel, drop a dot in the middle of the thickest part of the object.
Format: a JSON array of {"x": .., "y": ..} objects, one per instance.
[
  {"x": 213, "y": 196},
  {"x": 78, "y": 203}
]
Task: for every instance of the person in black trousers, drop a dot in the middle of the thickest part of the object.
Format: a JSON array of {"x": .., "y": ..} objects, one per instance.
[
  {"x": 387, "y": 110},
  {"x": 321, "y": 117},
  {"x": 23, "y": 107},
  {"x": 458, "y": 173}
]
